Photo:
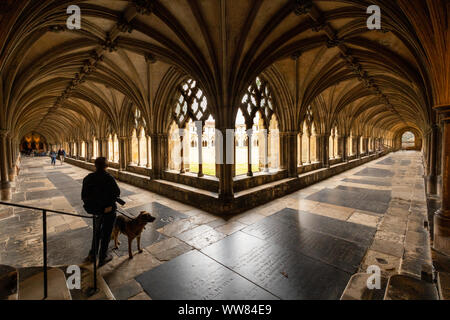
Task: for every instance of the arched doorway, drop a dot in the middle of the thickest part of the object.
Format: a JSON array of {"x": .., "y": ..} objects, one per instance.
[{"x": 408, "y": 140}]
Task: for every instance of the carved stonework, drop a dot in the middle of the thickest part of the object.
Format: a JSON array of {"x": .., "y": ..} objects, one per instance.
[
  {"x": 124, "y": 26},
  {"x": 331, "y": 43},
  {"x": 303, "y": 7},
  {"x": 108, "y": 44},
  {"x": 144, "y": 7},
  {"x": 296, "y": 55},
  {"x": 149, "y": 58},
  {"x": 319, "y": 25}
]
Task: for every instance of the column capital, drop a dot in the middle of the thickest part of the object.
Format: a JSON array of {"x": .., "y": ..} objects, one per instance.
[{"x": 3, "y": 133}]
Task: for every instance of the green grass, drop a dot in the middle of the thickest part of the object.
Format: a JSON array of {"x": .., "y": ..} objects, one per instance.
[{"x": 210, "y": 168}]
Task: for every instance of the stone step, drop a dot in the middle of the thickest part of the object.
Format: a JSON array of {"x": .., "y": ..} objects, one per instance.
[
  {"x": 8, "y": 283},
  {"x": 404, "y": 287},
  {"x": 31, "y": 285},
  {"x": 357, "y": 288}
]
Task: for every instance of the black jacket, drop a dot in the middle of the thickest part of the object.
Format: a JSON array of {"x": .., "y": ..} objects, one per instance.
[{"x": 100, "y": 190}]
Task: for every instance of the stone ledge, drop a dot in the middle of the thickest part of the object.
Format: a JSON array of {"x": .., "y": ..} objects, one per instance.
[{"x": 244, "y": 200}]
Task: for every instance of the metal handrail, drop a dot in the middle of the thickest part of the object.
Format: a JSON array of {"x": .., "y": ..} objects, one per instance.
[{"x": 44, "y": 238}]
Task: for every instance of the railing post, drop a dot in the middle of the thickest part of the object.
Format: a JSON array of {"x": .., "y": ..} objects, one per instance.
[
  {"x": 94, "y": 237},
  {"x": 44, "y": 234}
]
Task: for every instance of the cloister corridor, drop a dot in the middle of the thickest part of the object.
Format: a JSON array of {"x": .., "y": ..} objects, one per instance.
[{"x": 321, "y": 234}]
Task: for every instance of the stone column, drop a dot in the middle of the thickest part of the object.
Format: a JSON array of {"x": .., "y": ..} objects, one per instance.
[
  {"x": 123, "y": 153},
  {"x": 442, "y": 217},
  {"x": 5, "y": 184},
  {"x": 11, "y": 165},
  {"x": 226, "y": 193},
  {"x": 326, "y": 150},
  {"x": 100, "y": 147},
  {"x": 319, "y": 148},
  {"x": 129, "y": 150},
  {"x": 308, "y": 148},
  {"x": 199, "y": 126},
  {"x": 266, "y": 150},
  {"x": 345, "y": 149},
  {"x": 147, "y": 141},
  {"x": 182, "y": 150},
  {"x": 333, "y": 152},
  {"x": 106, "y": 148},
  {"x": 159, "y": 160},
  {"x": 431, "y": 179},
  {"x": 139, "y": 150},
  {"x": 249, "y": 151},
  {"x": 291, "y": 139},
  {"x": 358, "y": 147},
  {"x": 300, "y": 147},
  {"x": 78, "y": 149}
]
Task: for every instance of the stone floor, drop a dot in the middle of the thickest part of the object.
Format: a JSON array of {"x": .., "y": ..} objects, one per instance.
[{"x": 304, "y": 246}]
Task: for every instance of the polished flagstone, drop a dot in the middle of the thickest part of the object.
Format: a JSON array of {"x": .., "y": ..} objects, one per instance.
[{"x": 306, "y": 245}]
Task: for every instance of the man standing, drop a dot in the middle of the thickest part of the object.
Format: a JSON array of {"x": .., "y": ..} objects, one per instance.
[{"x": 100, "y": 192}]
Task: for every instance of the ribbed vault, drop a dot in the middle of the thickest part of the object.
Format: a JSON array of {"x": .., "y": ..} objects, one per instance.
[{"x": 132, "y": 54}]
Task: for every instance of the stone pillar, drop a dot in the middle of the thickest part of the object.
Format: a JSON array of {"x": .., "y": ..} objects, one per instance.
[
  {"x": 226, "y": 193},
  {"x": 358, "y": 147},
  {"x": 139, "y": 150},
  {"x": 100, "y": 147},
  {"x": 199, "y": 126},
  {"x": 160, "y": 146},
  {"x": 308, "y": 148},
  {"x": 345, "y": 149},
  {"x": 319, "y": 148},
  {"x": 333, "y": 152},
  {"x": 5, "y": 185},
  {"x": 442, "y": 217},
  {"x": 300, "y": 147},
  {"x": 288, "y": 146},
  {"x": 266, "y": 150},
  {"x": 105, "y": 148},
  {"x": 326, "y": 150},
  {"x": 431, "y": 179},
  {"x": 147, "y": 141},
  {"x": 249, "y": 151},
  {"x": 11, "y": 164},
  {"x": 129, "y": 150},
  {"x": 182, "y": 150},
  {"x": 122, "y": 153}
]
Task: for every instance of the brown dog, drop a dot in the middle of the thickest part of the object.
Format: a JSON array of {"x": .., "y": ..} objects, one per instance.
[{"x": 132, "y": 229}]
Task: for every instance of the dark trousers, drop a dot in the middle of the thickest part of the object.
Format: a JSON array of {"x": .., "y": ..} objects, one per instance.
[{"x": 104, "y": 224}]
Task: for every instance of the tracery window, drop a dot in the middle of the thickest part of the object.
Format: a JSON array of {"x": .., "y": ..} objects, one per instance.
[
  {"x": 257, "y": 98},
  {"x": 191, "y": 109}
]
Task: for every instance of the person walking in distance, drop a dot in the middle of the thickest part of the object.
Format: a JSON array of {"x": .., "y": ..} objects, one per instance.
[
  {"x": 99, "y": 194},
  {"x": 62, "y": 155},
  {"x": 53, "y": 157}
]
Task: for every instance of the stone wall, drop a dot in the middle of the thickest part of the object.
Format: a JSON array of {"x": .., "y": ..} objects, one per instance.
[{"x": 250, "y": 198}]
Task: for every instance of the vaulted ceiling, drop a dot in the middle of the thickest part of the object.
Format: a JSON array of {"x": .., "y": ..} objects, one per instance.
[{"x": 133, "y": 54}]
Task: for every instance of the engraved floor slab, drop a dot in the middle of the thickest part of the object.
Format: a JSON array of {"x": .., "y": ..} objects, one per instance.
[
  {"x": 369, "y": 182},
  {"x": 375, "y": 172},
  {"x": 194, "y": 276},
  {"x": 349, "y": 199},
  {"x": 284, "y": 272}
]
